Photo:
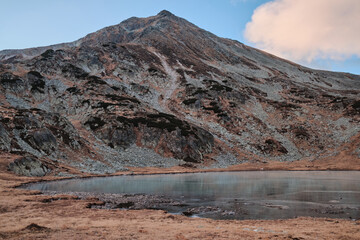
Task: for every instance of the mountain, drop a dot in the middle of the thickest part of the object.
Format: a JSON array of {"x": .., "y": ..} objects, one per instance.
[{"x": 160, "y": 91}]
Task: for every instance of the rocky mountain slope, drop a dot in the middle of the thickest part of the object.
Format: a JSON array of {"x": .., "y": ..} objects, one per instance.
[{"x": 159, "y": 91}]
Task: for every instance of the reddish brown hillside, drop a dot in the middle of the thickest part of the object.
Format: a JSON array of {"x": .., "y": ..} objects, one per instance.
[{"x": 159, "y": 91}]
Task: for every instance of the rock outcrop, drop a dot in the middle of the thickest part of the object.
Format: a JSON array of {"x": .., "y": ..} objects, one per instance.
[
  {"x": 28, "y": 166},
  {"x": 159, "y": 91}
]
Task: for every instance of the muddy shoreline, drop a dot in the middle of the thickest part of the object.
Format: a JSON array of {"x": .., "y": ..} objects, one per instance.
[
  {"x": 121, "y": 201},
  {"x": 108, "y": 201}
]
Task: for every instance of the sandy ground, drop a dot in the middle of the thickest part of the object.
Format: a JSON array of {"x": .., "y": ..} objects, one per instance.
[{"x": 30, "y": 215}]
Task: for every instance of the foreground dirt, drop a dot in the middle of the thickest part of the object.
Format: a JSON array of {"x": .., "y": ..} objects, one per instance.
[{"x": 30, "y": 215}]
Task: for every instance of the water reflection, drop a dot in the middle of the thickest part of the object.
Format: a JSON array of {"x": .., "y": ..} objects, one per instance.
[{"x": 277, "y": 194}]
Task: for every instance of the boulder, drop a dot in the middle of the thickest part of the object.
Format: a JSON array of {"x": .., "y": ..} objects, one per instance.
[{"x": 29, "y": 166}]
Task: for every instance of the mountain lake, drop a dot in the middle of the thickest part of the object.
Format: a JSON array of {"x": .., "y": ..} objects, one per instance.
[{"x": 233, "y": 195}]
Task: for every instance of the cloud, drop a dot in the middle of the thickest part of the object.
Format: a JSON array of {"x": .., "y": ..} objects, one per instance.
[{"x": 304, "y": 30}]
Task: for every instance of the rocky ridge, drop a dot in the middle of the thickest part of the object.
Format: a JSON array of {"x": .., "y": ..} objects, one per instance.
[{"x": 159, "y": 91}]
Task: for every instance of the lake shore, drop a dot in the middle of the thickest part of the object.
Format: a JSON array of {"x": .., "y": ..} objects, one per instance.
[{"x": 32, "y": 215}]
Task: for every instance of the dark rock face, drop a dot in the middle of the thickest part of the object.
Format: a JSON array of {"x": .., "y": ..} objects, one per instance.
[
  {"x": 42, "y": 140},
  {"x": 28, "y": 166},
  {"x": 36, "y": 81},
  {"x": 37, "y": 132},
  {"x": 166, "y": 133},
  {"x": 162, "y": 86},
  {"x": 163, "y": 132},
  {"x": 4, "y": 139},
  {"x": 12, "y": 82}
]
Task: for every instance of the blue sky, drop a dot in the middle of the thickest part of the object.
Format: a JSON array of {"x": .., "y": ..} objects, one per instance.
[{"x": 35, "y": 23}]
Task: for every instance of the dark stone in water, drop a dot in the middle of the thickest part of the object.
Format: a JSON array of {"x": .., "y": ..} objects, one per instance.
[
  {"x": 125, "y": 205},
  {"x": 187, "y": 213}
]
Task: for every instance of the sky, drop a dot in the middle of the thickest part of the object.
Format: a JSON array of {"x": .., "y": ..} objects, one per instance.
[{"x": 321, "y": 34}]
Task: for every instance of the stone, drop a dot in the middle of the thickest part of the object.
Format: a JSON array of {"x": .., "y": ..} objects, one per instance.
[
  {"x": 29, "y": 166},
  {"x": 5, "y": 140},
  {"x": 42, "y": 140}
]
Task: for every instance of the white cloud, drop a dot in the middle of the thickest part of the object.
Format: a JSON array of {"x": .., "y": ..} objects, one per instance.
[{"x": 304, "y": 30}]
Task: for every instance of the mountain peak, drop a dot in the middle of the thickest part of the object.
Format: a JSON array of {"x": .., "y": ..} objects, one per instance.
[
  {"x": 160, "y": 92},
  {"x": 144, "y": 30},
  {"x": 165, "y": 13}
]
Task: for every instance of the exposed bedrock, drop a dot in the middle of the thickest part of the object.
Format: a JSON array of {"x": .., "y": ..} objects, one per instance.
[
  {"x": 29, "y": 166},
  {"x": 164, "y": 133},
  {"x": 159, "y": 91},
  {"x": 42, "y": 140},
  {"x": 37, "y": 133}
]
